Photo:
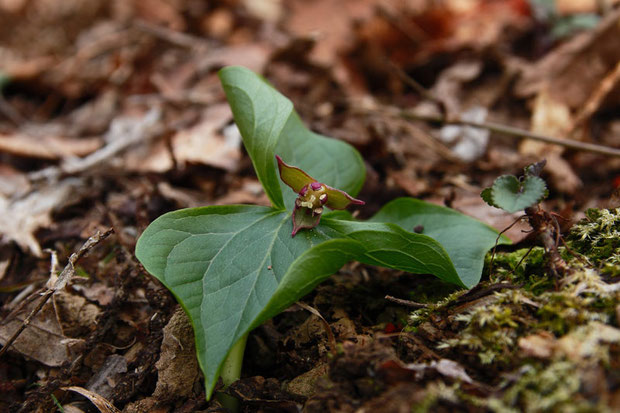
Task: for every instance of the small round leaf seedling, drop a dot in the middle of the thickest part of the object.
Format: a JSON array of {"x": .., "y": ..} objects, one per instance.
[{"x": 512, "y": 194}]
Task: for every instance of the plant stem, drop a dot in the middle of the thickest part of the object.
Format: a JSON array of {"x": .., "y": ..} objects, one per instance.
[{"x": 231, "y": 372}]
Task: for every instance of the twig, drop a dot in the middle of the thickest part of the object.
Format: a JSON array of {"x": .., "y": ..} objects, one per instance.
[
  {"x": 10, "y": 112},
  {"x": 408, "y": 303},
  {"x": 509, "y": 131},
  {"x": 421, "y": 90},
  {"x": 596, "y": 98},
  {"x": 123, "y": 133},
  {"x": 171, "y": 36},
  {"x": 593, "y": 102},
  {"x": 57, "y": 283},
  {"x": 479, "y": 292}
]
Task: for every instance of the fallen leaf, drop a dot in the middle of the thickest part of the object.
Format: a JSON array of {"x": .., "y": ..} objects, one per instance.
[
  {"x": 105, "y": 379},
  {"x": 305, "y": 384},
  {"x": 539, "y": 345},
  {"x": 469, "y": 143},
  {"x": 567, "y": 7},
  {"x": 573, "y": 70},
  {"x": 269, "y": 10},
  {"x": 22, "y": 216},
  {"x": 551, "y": 117},
  {"x": 588, "y": 341},
  {"x": 177, "y": 366},
  {"x": 47, "y": 147},
  {"x": 395, "y": 371},
  {"x": 331, "y": 22},
  {"x": 208, "y": 142},
  {"x": 43, "y": 340},
  {"x": 101, "y": 403}
]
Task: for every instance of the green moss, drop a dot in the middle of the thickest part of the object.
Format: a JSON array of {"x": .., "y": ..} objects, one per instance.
[
  {"x": 493, "y": 327},
  {"x": 578, "y": 310},
  {"x": 598, "y": 237},
  {"x": 436, "y": 392},
  {"x": 525, "y": 267},
  {"x": 556, "y": 385},
  {"x": 541, "y": 389}
]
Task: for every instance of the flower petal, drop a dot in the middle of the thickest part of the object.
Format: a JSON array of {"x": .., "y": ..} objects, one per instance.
[
  {"x": 293, "y": 176},
  {"x": 304, "y": 218},
  {"x": 337, "y": 199}
]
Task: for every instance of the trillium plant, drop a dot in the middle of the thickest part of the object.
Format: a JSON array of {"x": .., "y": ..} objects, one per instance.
[{"x": 233, "y": 267}]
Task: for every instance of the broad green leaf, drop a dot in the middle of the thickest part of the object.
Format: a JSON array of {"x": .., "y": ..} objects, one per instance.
[
  {"x": 222, "y": 263},
  {"x": 233, "y": 267},
  {"x": 269, "y": 126},
  {"x": 465, "y": 239},
  {"x": 388, "y": 245},
  {"x": 513, "y": 195}
]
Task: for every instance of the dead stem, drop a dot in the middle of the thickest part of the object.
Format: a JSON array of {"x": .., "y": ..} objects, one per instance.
[
  {"x": 57, "y": 283},
  {"x": 508, "y": 131},
  {"x": 408, "y": 303}
]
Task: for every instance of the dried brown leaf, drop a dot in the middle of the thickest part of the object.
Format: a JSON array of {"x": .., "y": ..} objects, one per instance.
[
  {"x": 102, "y": 404},
  {"x": 43, "y": 340}
]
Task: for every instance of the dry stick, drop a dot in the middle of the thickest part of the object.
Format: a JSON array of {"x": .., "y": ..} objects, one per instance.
[
  {"x": 596, "y": 98},
  {"x": 121, "y": 137},
  {"x": 172, "y": 36},
  {"x": 407, "y": 303},
  {"x": 511, "y": 131},
  {"x": 57, "y": 284},
  {"x": 421, "y": 90}
]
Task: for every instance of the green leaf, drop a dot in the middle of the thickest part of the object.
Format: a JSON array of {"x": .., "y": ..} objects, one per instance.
[
  {"x": 513, "y": 195},
  {"x": 487, "y": 196},
  {"x": 388, "y": 245},
  {"x": 270, "y": 126},
  {"x": 222, "y": 263},
  {"x": 465, "y": 239},
  {"x": 233, "y": 267}
]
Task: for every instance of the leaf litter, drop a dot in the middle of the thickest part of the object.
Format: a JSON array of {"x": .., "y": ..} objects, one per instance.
[{"x": 120, "y": 118}]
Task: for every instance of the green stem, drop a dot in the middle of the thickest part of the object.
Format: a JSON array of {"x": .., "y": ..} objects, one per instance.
[{"x": 231, "y": 372}]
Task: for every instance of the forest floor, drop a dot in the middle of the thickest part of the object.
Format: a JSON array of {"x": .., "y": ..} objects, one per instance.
[{"x": 111, "y": 114}]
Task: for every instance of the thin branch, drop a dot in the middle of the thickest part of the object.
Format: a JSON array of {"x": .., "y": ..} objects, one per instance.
[
  {"x": 57, "y": 283},
  {"x": 421, "y": 90},
  {"x": 407, "y": 303},
  {"x": 122, "y": 134},
  {"x": 509, "y": 131},
  {"x": 172, "y": 36}
]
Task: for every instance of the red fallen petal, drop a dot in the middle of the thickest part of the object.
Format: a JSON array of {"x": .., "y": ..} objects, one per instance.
[{"x": 392, "y": 328}]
